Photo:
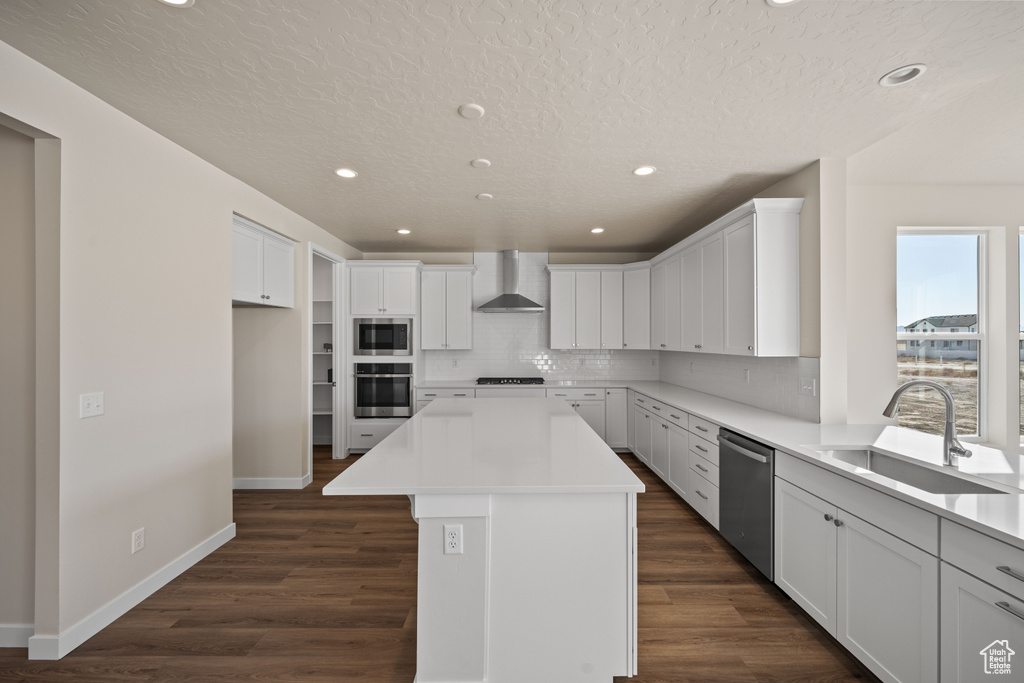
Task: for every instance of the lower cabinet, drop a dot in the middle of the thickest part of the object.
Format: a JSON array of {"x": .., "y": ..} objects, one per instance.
[
  {"x": 678, "y": 460},
  {"x": 642, "y": 421},
  {"x": 616, "y": 418},
  {"x": 365, "y": 434},
  {"x": 871, "y": 590},
  {"x": 659, "y": 447},
  {"x": 592, "y": 412},
  {"x": 630, "y": 420}
]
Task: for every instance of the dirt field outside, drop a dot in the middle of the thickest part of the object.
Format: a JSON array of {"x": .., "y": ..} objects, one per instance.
[{"x": 924, "y": 409}]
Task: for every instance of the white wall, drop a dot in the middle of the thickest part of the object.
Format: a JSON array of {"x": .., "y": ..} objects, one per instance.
[
  {"x": 145, "y": 286},
  {"x": 518, "y": 344},
  {"x": 17, "y": 388}
]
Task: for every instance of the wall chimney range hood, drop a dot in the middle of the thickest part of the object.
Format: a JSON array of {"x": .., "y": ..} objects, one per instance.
[{"x": 511, "y": 301}]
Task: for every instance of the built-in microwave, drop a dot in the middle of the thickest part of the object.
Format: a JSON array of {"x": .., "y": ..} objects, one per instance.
[
  {"x": 383, "y": 389},
  {"x": 383, "y": 337}
]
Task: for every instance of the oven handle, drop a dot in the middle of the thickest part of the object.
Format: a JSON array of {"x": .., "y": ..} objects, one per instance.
[{"x": 724, "y": 440}]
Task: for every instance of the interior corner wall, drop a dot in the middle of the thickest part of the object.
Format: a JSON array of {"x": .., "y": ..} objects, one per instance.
[
  {"x": 144, "y": 317},
  {"x": 17, "y": 390}
]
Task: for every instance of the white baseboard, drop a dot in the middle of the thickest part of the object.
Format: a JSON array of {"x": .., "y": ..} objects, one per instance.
[
  {"x": 55, "y": 647},
  {"x": 15, "y": 635},
  {"x": 271, "y": 482}
]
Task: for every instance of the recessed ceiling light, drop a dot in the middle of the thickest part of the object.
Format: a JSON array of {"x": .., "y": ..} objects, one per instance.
[
  {"x": 644, "y": 170},
  {"x": 484, "y": 195},
  {"x": 480, "y": 163},
  {"x": 346, "y": 173},
  {"x": 471, "y": 111},
  {"x": 596, "y": 230},
  {"x": 780, "y": 3},
  {"x": 902, "y": 75},
  {"x": 179, "y": 3},
  {"x": 403, "y": 231}
]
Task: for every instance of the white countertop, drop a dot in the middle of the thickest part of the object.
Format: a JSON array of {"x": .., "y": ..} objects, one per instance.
[
  {"x": 466, "y": 446},
  {"x": 1000, "y": 515}
]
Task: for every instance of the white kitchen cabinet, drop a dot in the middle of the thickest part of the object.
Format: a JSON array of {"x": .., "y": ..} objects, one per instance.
[
  {"x": 703, "y": 296},
  {"x": 575, "y": 309},
  {"x": 611, "y": 309},
  {"x": 636, "y": 307},
  {"x": 446, "y": 304},
  {"x": 383, "y": 289},
  {"x": 615, "y": 418},
  {"x": 589, "y": 403},
  {"x": 642, "y": 419},
  {"x": 692, "y": 300},
  {"x": 874, "y": 592},
  {"x": 678, "y": 449},
  {"x": 659, "y": 447},
  {"x": 366, "y": 433},
  {"x": 262, "y": 266},
  {"x": 666, "y": 304},
  {"x": 630, "y": 420}
]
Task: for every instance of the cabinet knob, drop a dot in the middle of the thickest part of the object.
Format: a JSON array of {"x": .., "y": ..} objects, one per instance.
[
  {"x": 837, "y": 522},
  {"x": 624, "y": 344},
  {"x": 828, "y": 517},
  {"x": 699, "y": 346},
  {"x": 750, "y": 348}
]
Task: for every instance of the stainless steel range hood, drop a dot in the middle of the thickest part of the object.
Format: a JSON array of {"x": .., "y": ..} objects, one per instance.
[{"x": 511, "y": 301}]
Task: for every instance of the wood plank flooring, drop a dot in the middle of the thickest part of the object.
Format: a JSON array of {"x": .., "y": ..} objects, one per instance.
[{"x": 317, "y": 588}]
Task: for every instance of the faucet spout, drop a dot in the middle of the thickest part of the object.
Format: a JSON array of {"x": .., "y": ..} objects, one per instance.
[{"x": 951, "y": 446}]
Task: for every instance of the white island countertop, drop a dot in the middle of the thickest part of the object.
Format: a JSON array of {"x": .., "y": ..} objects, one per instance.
[{"x": 466, "y": 446}]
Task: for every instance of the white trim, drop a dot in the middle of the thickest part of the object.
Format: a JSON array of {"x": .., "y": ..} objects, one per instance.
[
  {"x": 15, "y": 635},
  {"x": 244, "y": 483},
  {"x": 55, "y": 647}
]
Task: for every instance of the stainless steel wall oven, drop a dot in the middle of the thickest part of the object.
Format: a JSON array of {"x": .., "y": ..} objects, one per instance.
[{"x": 383, "y": 389}]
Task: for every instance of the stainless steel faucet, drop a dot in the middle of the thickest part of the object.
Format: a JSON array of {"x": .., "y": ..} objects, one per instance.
[{"x": 951, "y": 447}]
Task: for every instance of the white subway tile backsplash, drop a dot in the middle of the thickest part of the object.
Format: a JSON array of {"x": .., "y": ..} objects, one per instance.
[{"x": 518, "y": 344}]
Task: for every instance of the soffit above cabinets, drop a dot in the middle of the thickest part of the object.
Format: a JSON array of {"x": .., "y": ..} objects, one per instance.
[{"x": 723, "y": 98}]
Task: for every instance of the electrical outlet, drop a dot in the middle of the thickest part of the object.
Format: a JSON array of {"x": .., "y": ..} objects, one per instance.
[
  {"x": 455, "y": 363},
  {"x": 808, "y": 386},
  {"x": 746, "y": 376},
  {"x": 90, "y": 405},
  {"x": 138, "y": 540},
  {"x": 452, "y": 539}
]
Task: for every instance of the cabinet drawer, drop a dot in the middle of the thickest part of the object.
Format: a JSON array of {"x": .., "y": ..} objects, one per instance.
[
  {"x": 982, "y": 555},
  {"x": 704, "y": 498},
  {"x": 703, "y": 428},
  {"x": 704, "y": 448},
  {"x": 643, "y": 401},
  {"x": 365, "y": 437},
  {"x": 431, "y": 394},
  {"x": 676, "y": 417},
  {"x": 587, "y": 394},
  {"x": 704, "y": 468},
  {"x": 510, "y": 392}
]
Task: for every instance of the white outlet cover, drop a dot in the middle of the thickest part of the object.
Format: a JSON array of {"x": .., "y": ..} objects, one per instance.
[
  {"x": 452, "y": 539},
  {"x": 90, "y": 405}
]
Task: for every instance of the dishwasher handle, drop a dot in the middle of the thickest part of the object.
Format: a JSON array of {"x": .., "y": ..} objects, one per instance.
[{"x": 725, "y": 441}]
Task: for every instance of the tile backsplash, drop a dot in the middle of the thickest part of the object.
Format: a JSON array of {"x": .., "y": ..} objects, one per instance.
[
  {"x": 769, "y": 383},
  {"x": 518, "y": 344}
]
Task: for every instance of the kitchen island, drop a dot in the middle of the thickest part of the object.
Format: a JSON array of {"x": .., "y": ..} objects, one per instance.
[{"x": 527, "y": 538}]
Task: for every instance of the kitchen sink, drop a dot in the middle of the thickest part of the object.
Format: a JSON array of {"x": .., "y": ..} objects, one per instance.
[{"x": 924, "y": 478}]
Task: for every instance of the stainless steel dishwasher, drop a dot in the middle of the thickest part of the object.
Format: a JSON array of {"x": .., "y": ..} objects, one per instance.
[{"x": 746, "y": 498}]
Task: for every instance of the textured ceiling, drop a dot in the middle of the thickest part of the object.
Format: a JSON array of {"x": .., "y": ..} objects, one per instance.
[{"x": 723, "y": 97}]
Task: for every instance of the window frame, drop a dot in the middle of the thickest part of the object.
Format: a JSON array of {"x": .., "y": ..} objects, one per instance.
[{"x": 981, "y": 336}]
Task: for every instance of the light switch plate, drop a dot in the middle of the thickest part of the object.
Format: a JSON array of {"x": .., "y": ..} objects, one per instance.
[{"x": 90, "y": 405}]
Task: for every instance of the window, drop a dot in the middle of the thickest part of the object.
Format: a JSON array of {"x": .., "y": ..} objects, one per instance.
[{"x": 938, "y": 295}]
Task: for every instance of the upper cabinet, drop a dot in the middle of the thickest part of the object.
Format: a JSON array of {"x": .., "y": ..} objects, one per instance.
[
  {"x": 703, "y": 296},
  {"x": 587, "y": 307},
  {"x": 636, "y": 306},
  {"x": 447, "y": 306},
  {"x": 666, "y": 306},
  {"x": 383, "y": 288},
  {"x": 262, "y": 266}
]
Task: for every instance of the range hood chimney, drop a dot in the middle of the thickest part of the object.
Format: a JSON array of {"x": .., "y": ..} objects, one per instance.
[{"x": 511, "y": 301}]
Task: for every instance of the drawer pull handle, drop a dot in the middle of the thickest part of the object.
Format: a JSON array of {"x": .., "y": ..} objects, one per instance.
[
  {"x": 702, "y": 429},
  {"x": 460, "y": 394},
  {"x": 701, "y": 468},
  {"x": 656, "y": 407},
  {"x": 1010, "y": 572},
  {"x": 828, "y": 517},
  {"x": 674, "y": 416},
  {"x": 700, "y": 448},
  {"x": 1009, "y": 608},
  {"x": 366, "y": 435},
  {"x": 701, "y": 495},
  {"x": 430, "y": 394},
  {"x": 639, "y": 400}
]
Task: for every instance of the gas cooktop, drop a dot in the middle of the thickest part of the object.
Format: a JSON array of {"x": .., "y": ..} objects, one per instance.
[{"x": 510, "y": 380}]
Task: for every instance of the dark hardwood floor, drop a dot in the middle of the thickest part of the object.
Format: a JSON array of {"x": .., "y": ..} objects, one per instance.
[{"x": 317, "y": 588}]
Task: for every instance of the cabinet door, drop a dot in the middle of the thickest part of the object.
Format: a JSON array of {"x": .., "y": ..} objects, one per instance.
[
  {"x": 673, "y": 303},
  {"x": 399, "y": 291},
  {"x": 563, "y": 311},
  {"x": 692, "y": 302},
  {"x": 636, "y": 309},
  {"x": 659, "y": 447},
  {"x": 366, "y": 298},
  {"x": 678, "y": 456},
  {"x": 588, "y": 310},
  {"x": 611, "y": 309},
  {"x": 630, "y": 420},
  {"x": 459, "y": 310},
  {"x": 615, "y": 418},
  {"x": 740, "y": 309},
  {"x": 593, "y": 413},
  {"x": 887, "y": 611},
  {"x": 246, "y": 265},
  {"x": 658, "y": 323},
  {"x": 278, "y": 273},
  {"x": 713, "y": 295},
  {"x": 805, "y": 551},
  {"x": 433, "y": 303},
  {"x": 977, "y": 621},
  {"x": 643, "y": 434}
]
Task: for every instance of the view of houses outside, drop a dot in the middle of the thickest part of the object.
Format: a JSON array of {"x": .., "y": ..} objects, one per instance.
[{"x": 938, "y": 337}]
